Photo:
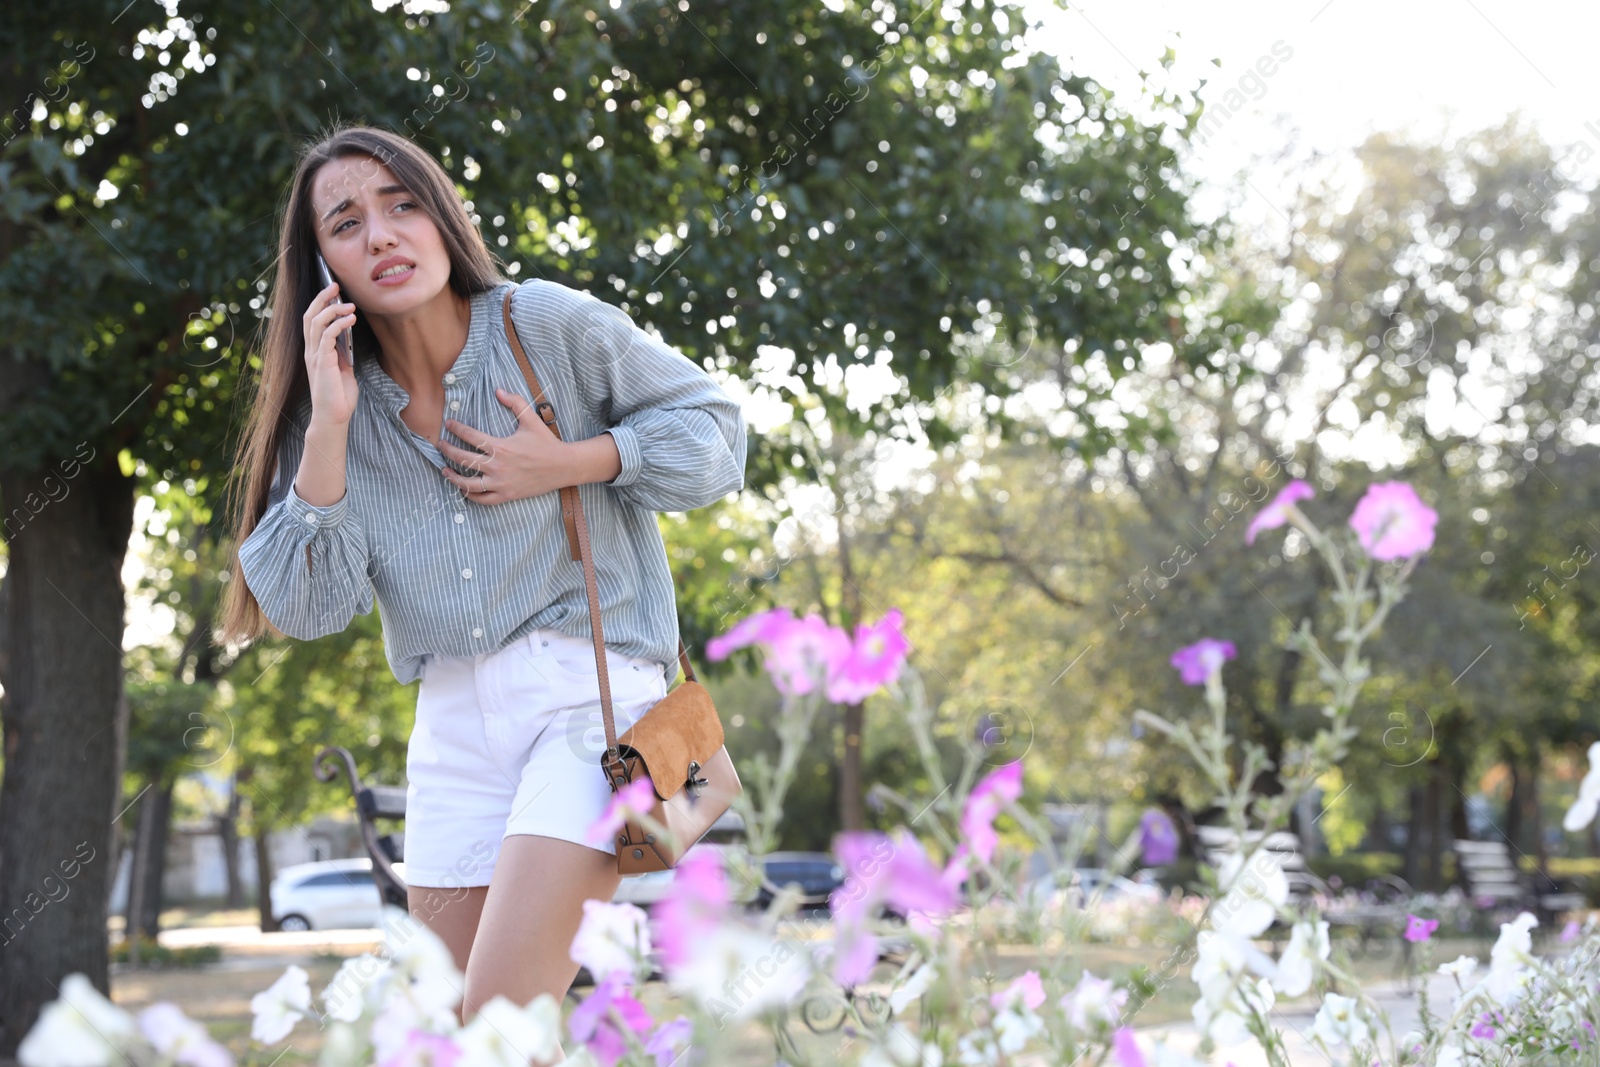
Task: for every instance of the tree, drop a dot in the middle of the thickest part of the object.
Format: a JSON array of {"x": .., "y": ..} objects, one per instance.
[{"x": 137, "y": 184}]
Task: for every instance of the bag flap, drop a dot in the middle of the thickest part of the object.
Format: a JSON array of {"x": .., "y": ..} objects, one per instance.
[{"x": 681, "y": 726}]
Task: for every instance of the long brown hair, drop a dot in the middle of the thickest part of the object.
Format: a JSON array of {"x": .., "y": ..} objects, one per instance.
[{"x": 284, "y": 384}]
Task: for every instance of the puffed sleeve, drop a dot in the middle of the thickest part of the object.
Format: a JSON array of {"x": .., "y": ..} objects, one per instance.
[
  {"x": 306, "y": 565},
  {"x": 680, "y": 436}
]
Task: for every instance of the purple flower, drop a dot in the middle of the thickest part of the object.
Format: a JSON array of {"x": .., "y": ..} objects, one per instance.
[
  {"x": 592, "y": 1023},
  {"x": 663, "y": 1044},
  {"x": 1158, "y": 838},
  {"x": 637, "y": 797},
  {"x": 1392, "y": 522},
  {"x": 1276, "y": 513},
  {"x": 753, "y": 629},
  {"x": 983, "y": 805},
  {"x": 1025, "y": 989},
  {"x": 1198, "y": 661},
  {"x": 1126, "y": 1048},
  {"x": 1484, "y": 1030},
  {"x": 874, "y": 660},
  {"x": 1419, "y": 929},
  {"x": 696, "y": 902},
  {"x": 880, "y": 870}
]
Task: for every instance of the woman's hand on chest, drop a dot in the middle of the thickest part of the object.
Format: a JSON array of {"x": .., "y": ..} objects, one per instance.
[{"x": 532, "y": 461}]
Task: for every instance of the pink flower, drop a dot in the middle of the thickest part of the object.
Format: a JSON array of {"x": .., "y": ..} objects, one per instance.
[
  {"x": 1419, "y": 929},
  {"x": 1570, "y": 931},
  {"x": 1158, "y": 838},
  {"x": 984, "y": 803},
  {"x": 423, "y": 1049},
  {"x": 636, "y": 798},
  {"x": 1126, "y": 1048},
  {"x": 1200, "y": 660},
  {"x": 593, "y": 1024},
  {"x": 1025, "y": 988},
  {"x": 1276, "y": 513},
  {"x": 664, "y": 1043},
  {"x": 1391, "y": 522},
  {"x": 1484, "y": 1030},
  {"x": 805, "y": 653},
  {"x": 695, "y": 903},
  {"x": 880, "y": 870},
  {"x": 874, "y": 661},
  {"x": 753, "y": 629}
]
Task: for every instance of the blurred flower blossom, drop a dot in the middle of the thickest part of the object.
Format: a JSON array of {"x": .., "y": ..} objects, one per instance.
[
  {"x": 1200, "y": 660},
  {"x": 1392, "y": 522},
  {"x": 1297, "y": 967},
  {"x": 592, "y": 1022},
  {"x": 1340, "y": 1022},
  {"x": 81, "y": 1028},
  {"x": 1419, "y": 929},
  {"x": 1582, "y": 812},
  {"x": 282, "y": 1004},
  {"x": 611, "y": 937},
  {"x": 180, "y": 1039},
  {"x": 1276, "y": 513},
  {"x": 1158, "y": 838},
  {"x": 632, "y": 800},
  {"x": 1094, "y": 1000}
]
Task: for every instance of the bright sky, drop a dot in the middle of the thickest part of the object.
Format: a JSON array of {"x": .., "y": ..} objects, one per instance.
[{"x": 1430, "y": 66}]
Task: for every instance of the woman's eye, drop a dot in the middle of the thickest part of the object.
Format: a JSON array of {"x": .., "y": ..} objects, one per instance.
[
  {"x": 404, "y": 203},
  {"x": 341, "y": 225}
]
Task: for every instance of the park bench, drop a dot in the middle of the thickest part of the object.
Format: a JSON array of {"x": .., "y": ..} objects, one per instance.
[
  {"x": 1494, "y": 880},
  {"x": 1374, "y": 910}
]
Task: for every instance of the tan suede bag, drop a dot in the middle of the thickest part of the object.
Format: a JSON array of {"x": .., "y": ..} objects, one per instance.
[{"x": 677, "y": 742}]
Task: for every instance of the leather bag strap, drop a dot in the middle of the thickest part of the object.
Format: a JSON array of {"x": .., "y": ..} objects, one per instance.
[{"x": 578, "y": 540}]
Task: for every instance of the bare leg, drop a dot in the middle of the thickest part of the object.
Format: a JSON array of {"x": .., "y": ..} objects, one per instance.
[
  {"x": 532, "y": 913},
  {"x": 453, "y": 914}
]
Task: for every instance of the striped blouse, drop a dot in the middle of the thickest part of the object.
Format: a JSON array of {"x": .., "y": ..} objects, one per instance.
[{"x": 453, "y": 577}]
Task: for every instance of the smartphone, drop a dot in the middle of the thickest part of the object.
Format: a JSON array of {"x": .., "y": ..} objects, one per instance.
[{"x": 343, "y": 344}]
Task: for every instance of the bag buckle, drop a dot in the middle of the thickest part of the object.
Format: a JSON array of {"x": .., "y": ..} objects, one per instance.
[{"x": 695, "y": 784}]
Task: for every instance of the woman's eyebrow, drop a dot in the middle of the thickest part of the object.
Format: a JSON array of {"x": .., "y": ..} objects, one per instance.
[{"x": 341, "y": 205}]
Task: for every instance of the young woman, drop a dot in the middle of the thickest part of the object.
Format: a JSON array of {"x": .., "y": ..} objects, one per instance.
[{"x": 421, "y": 477}]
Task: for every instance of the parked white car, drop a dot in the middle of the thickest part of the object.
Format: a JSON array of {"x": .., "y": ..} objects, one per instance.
[{"x": 328, "y": 895}]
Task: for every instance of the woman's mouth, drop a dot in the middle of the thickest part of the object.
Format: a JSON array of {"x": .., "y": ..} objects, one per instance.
[{"x": 395, "y": 275}]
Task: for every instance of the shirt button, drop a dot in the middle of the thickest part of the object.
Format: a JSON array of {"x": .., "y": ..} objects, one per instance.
[
  {"x": 460, "y": 517},
  {"x": 477, "y": 631},
  {"x": 311, "y": 518},
  {"x": 466, "y": 572},
  {"x": 454, "y": 405},
  {"x": 449, "y": 379}
]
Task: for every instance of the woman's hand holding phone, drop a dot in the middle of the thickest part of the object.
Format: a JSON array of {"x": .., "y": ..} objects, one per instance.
[{"x": 333, "y": 382}]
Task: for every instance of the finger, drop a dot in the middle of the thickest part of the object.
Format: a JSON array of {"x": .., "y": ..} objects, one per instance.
[
  {"x": 331, "y": 312},
  {"x": 476, "y": 461},
  {"x": 518, "y": 404},
  {"x": 471, "y": 435}
]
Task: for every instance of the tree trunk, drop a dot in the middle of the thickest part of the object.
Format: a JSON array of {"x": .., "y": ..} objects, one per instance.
[
  {"x": 137, "y": 880},
  {"x": 63, "y": 671},
  {"x": 228, "y": 830},
  {"x": 1512, "y": 830},
  {"x": 117, "y": 839},
  {"x": 1415, "y": 822},
  {"x": 264, "y": 878},
  {"x": 155, "y": 862},
  {"x": 1535, "y": 817},
  {"x": 852, "y": 790},
  {"x": 1432, "y": 847}
]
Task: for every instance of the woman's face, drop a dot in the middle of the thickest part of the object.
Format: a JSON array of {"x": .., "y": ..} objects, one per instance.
[{"x": 383, "y": 249}]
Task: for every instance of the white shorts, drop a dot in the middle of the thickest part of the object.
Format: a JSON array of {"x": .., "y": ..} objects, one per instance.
[{"x": 509, "y": 742}]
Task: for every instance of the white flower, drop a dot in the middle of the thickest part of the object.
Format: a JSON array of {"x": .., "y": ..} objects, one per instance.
[
  {"x": 357, "y": 985},
  {"x": 504, "y": 1035},
  {"x": 346, "y": 1046},
  {"x": 913, "y": 988},
  {"x": 1221, "y": 958},
  {"x": 1509, "y": 960},
  {"x": 1164, "y": 1055},
  {"x": 278, "y": 1007},
  {"x": 1583, "y": 809},
  {"x": 1460, "y": 968},
  {"x": 1449, "y": 1056},
  {"x": 1227, "y": 1021},
  {"x": 1298, "y": 966},
  {"x": 612, "y": 937},
  {"x": 1014, "y": 1028},
  {"x": 736, "y": 971},
  {"x": 901, "y": 1049},
  {"x": 977, "y": 1049},
  {"x": 1094, "y": 1000},
  {"x": 80, "y": 1029},
  {"x": 423, "y": 964},
  {"x": 1252, "y": 893},
  {"x": 1339, "y": 1021},
  {"x": 180, "y": 1039}
]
